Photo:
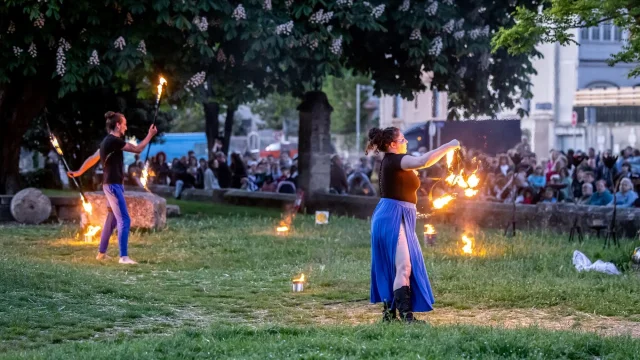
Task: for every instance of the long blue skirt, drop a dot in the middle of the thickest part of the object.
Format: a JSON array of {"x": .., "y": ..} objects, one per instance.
[{"x": 385, "y": 228}]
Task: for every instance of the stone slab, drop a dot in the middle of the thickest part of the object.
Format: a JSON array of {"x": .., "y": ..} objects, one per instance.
[{"x": 147, "y": 210}]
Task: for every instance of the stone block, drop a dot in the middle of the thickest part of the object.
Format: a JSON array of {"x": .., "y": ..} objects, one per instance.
[
  {"x": 69, "y": 212},
  {"x": 173, "y": 211},
  {"x": 30, "y": 206},
  {"x": 147, "y": 210}
]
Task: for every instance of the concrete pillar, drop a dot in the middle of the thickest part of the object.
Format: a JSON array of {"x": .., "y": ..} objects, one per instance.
[
  {"x": 542, "y": 133},
  {"x": 314, "y": 143}
]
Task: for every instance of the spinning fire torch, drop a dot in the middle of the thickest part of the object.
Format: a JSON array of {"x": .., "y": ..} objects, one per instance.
[
  {"x": 144, "y": 177},
  {"x": 54, "y": 141}
]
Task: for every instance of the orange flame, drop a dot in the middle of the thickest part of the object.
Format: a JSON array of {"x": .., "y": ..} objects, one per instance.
[
  {"x": 468, "y": 244},
  {"x": 160, "y": 84},
  {"x": 282, "y": 229},
  {"x": 470, "y": 192},
  {"x": 450, "y": 158},
  {"x": 56, "y": 145},
  {"x": 429, "y": 229},
  {"x": 86, "y": 205},
  {"x": 145, "y": 176},
  {"x": 300, "y": 279},
  {"x": 92, "y": 230},
  {"x": 440, "y": 202}
]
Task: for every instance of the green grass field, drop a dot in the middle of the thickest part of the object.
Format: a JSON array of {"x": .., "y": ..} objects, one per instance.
[{"x": 217, "y": 284}]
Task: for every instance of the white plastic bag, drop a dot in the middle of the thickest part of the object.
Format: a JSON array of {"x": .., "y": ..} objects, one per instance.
[{"x": 582, "y": 263}]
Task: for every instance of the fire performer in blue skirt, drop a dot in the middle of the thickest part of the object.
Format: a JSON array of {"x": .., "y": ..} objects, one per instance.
[{"x": 398, "y": 276}]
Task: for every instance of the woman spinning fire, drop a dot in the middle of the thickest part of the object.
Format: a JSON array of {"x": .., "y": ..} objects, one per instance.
[{"x": 398, "y": 276}]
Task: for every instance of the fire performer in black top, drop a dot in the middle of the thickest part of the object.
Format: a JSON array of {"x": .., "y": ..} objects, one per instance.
[
  {"x": 398, "y": 275},
  {"x": 111, "y": 153}
]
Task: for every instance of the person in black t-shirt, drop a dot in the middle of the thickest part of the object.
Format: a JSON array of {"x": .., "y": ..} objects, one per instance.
[
  {"x": 398, "y": 276},
  {"x": 111, "y": 153}
]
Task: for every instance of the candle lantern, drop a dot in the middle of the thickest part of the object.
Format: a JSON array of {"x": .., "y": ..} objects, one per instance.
[{"x": 298, "y": 284}]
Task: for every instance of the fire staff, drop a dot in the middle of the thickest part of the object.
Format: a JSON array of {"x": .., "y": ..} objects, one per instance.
[
  {"x": 398, "y": 276},
  {"x": 111, "y": 152}
]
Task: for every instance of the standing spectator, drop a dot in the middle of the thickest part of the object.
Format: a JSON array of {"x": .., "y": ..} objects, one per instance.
[
  {"x": 238, "y": 171},
  {"x": 523, "y": 148},
  {"x": 602, "y": 196},
  {"x": 224, "y": 173},
  {"x": 161, "y": 169},
  {"x": 200, "y": 173},
  {"x": 565, "y": 194},
  {"x": 626, "y": 196},
  {"x": 576, "y": 184},
  {"x": 338, "y": 182}
]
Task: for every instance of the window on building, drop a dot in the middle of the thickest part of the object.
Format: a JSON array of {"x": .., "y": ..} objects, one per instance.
[
  {"x": 435, "y": 104},
  {"x": 397, "y": 107},
  {"x": 595, "y": 33},
  {"x": 606, "y": 31},
  {"x": 584, "y": 34},
  {"x": 617, "y": 33}
]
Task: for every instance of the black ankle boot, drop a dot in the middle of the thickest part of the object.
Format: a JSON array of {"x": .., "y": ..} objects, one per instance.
[
  {"x": 389, "y": 312},
  {"x": 403, "y": 303}
]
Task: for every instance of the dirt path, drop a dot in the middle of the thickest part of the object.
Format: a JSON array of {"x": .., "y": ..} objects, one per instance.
[{"x": 551, "y": 319}]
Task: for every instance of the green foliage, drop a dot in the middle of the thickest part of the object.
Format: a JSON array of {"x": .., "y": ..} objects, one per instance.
[
  {"x": 188, "y": 119},
  {"x": 341, "y": 92},
  {"x": 558, "y": 19},
  {"x": 279, "y": 111}
]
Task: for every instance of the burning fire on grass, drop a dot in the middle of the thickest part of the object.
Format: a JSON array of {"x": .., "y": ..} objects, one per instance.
[{"x": 467, "y": 248}]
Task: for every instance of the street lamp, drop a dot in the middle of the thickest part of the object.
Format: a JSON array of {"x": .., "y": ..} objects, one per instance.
[{"x": 358, "y": 87}]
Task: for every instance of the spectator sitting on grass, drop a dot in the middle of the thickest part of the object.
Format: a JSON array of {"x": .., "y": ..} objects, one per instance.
[
  {"x": 602, "y": 196},
  {"x": 626, "y": 196},
  {"x": 359, "y": 184}
]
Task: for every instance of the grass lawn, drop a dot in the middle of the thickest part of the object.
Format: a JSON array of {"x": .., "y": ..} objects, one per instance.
[{"x": 216, "y": 284}]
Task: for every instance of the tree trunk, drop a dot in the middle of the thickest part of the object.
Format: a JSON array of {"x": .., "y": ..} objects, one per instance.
[
  {"x": 212, "y": 123},
  {"x": 228, "y": 127},
  {"x": 20, "y": 102},
  {"x": 314, "y": 143}
]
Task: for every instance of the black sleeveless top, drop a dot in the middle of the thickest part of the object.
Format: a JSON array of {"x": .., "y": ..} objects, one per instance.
[{"x": 396, "y": 183}]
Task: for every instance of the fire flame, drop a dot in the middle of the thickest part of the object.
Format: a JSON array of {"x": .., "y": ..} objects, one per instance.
[
  {"x": 470, "y": 192},
  {"x": 92, "y": 230},
  {"x": 145, "y": 176},
  {"x": 86, "y": 205},
  {"x": 450, "y": 159},
  {"x": 440, "y": 202},
  {"x": 300, "y": 279},
  {"x": 160, "y": 84},
  {"x": 473, "y": 181},
  {"x": 468, "y": 244},
  {"x": 429, "y": 229},
  {"x": 56, "y": 145}
]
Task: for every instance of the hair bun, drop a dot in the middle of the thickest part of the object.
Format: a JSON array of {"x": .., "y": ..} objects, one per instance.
[
  {"x": 374, "y": 133},
  {"x": 108, "y": 115}
]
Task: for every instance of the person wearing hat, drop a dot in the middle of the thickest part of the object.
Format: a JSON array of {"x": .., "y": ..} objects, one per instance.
[{"x": 398, "y": 276}]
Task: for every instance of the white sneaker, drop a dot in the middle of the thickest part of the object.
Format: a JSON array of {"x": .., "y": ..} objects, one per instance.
[
  {"x": 102, "y": 256},
  {"x": 126, "y": 260}
]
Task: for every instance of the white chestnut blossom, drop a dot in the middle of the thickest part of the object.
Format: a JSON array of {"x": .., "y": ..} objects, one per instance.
[
  {"x": 432, "y": 9},
  {"x": 288, "y": 3},
  {"x": 17, "y": 51},
  {"x": 461, "y": 71},
  {"x": 313, "y": 44},
  {"x": 485, "y": 30},
  {"x": 119, "y": 43},
  {"x": 266, "y": 5},
  {"x": 285, "y": 29},
  {"x": 485, "y": 61},
  {"x": 415, "y": 35},
  {"x": 474, "y": 33},
  {"x": 94, "y": 60},
  {"x": 329, "y": 28},
  {"x": 33, "y": 51},
  {"x": 239, "y": 13},
  {"x": 129, "y": 19},
  {"x": 345, "y": 2},
  {"x": 336, "y": 46},
  {"x": 12, "y": 28},
  {"x": 448, "y": 27},
  {"x": 196, "y": 80},
  {"x": 436, "y": 46},
  {"x": 201, "y": 23},
  {"x": 377, "y": 11},
  {"x": 482, "y": 9},
  {"x": 142, "y": 47},
  {"x": 221, "y": 56},
  {"x": 406, "y": 4},
  {"x": 459, "y": 23},
  {"x": 320, "y": 17},
  {"x": 61, "y": 67},
  {"x": 458, "y": 34},
  {"x": 39, "y": 21}
]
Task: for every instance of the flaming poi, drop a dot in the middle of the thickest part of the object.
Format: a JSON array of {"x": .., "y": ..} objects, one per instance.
[
  {"x": 429, "y": 229},
  {"x": 458, "y": 180},
  {"x": 468, "y": 244}
]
